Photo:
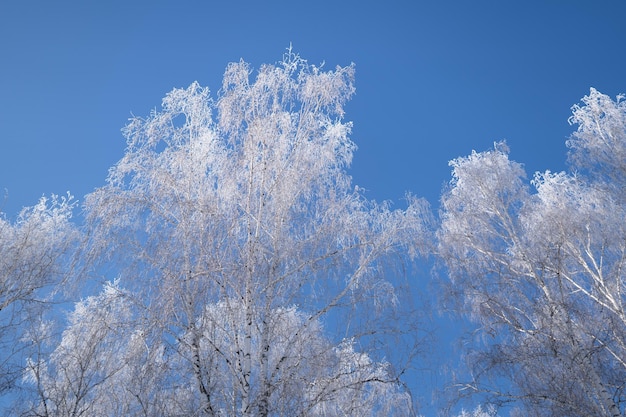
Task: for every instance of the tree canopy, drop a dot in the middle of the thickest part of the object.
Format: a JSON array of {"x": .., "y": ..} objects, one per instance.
[
  {"x": 230, "y": 267},
  {"x": 237, "y": 238},
  {"x": 543, "y": 271}
]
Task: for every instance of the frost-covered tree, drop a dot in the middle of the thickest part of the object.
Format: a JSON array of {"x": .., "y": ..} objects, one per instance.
[
  {"x": 108, "y": 365},
  {"x": 32, "y": 250},
  {"x": 92, "y": 351},
  {"x": 258, "y": 279},
  {"x": 543, "y": 271}
]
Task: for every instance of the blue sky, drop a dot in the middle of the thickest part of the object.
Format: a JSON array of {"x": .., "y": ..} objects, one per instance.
[{"x": 434, "y": 79}]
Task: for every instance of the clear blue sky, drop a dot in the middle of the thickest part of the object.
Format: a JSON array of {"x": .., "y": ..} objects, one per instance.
[{"x": 435, "y": 79}]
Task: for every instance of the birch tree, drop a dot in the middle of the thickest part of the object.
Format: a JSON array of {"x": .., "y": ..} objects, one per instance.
[
  {"x": 249, "y": 255},
  {"x": 32, "y": 252},
  {"x": 542, "y": 271},
  {"x": 108, "y": 365}
]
